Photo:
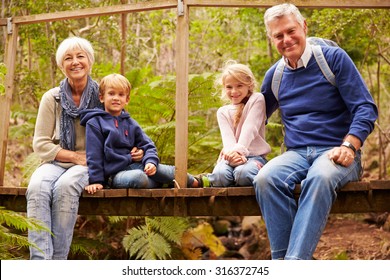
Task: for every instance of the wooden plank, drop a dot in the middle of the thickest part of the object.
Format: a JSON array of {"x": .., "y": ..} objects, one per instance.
[
  {"x": 181, "y": 129},
  {"x": 6, "y": 99},
  {"x": 93, "y": 12},
  {"x": 298, "y": 3},
  {"x": 356, "y": 197}
]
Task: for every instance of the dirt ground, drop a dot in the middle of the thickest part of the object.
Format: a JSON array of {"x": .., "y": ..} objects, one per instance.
[{"x": 355, "y": 237}]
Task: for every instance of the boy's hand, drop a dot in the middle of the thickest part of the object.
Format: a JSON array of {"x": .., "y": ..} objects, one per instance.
[
  {"x": 91, "y": 189},
  {"x": 137, "y": 154},
  {"x": 150, "y": 169}
]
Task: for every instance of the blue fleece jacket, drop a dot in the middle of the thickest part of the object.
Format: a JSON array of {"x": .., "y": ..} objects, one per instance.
[
  {"x": 313, "y": 111},
  {"x": 109, "y": 140}
]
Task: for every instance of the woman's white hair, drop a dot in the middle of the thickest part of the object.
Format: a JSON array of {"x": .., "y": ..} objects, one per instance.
[
  {"x": 282, "y": 10},
  {"x": 72, "y": 43}
]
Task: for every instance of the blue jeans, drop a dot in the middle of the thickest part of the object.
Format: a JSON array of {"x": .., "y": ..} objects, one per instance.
[
  {"x": 225, "y": 175},
  {"x": 53, "y": 198},
  {"x": 295, "y": 229},
  {"x": 135, "y": 177}
]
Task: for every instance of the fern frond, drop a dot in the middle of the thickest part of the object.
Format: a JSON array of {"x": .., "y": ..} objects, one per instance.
[
  {"x": 77, "y": 248},
  {"x": 30, "y": 164},
  {"x": 20, "y": 222},
  {"x": 116, "y": 219},
  {"x": 172, "y": 228},
  {"x": 13, "y": 239},
  {"x": 142, "y": 243}
]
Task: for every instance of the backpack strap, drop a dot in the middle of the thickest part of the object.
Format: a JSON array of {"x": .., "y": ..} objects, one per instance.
[
  {"x": 321, "y": 61},
  {"x": 323, "y": 64},
  {"x": 56, "y": 95},
  {"x": 277, "y": 78}
]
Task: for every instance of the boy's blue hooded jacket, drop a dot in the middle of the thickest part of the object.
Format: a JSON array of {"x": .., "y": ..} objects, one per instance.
[{"x": 109, "y": 140}]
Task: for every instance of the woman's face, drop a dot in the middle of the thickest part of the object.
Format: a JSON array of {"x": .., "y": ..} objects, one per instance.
[{"x": 76, "y": 65}]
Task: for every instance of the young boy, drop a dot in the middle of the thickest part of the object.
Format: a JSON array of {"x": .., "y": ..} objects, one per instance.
[{"x": 112, "y": 137}]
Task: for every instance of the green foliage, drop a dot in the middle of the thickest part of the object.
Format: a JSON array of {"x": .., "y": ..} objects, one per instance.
[
  {"x": 153, "y": 105},
  {"x": 341, "y": 256},
  {"x": 30, "y": 164},
  {"x": 11, "y": 242},
  {"x": 154, "y": 239},
  {"x": 3, "y": 71}
]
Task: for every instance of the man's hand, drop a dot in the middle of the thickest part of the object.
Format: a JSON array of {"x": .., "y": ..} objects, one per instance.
[{"x": 342, "y": 155}]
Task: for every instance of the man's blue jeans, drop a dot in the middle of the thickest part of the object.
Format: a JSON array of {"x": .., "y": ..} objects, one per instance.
[{"x": 294, "y": 229}]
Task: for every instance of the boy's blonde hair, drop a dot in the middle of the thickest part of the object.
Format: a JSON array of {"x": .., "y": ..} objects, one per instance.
[{"x": 114, "y": 81}]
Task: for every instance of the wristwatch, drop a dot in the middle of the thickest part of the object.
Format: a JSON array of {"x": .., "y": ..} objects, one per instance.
[{"x": 349, "y": 145}]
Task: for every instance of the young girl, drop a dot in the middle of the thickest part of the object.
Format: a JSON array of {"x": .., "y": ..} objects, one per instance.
[
  {"x": 242, "y": 126},
  {"x": 112, "y": 137}
]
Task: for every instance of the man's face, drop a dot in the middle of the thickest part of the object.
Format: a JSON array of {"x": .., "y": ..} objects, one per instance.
[{"x": 289, "y": 37}]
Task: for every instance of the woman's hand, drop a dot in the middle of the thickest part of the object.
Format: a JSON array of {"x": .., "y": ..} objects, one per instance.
[
  {"x": 150, "y": 169},
  {"x": 91, "y": 189},
  {"x": 137, "y": 154},
  {"x": 79, "y": 158}
]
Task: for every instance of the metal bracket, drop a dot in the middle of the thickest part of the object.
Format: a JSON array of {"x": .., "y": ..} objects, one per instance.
[
  {"x": 180, "y": 8},
  {"x": 9, "y": 26}
]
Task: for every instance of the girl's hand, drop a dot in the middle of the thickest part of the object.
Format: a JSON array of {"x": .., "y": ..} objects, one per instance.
[
  {"x": 91, "y": 189},
  {"x": 234, "y": 158},
  {"x": 137, "y": 154},
  {"x": 150, "y": 169},
  {"x": 237, "y": 161}
]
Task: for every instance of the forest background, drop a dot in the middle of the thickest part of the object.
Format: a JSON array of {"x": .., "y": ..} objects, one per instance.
[{"x": 146, "y": 56}]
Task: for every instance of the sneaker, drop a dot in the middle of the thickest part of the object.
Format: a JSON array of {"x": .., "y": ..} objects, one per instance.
[{"x": 203, "y": 181}]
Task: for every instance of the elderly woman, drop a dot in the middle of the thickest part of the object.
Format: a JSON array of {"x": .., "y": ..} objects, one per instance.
[{"x": 59, "y": 140}]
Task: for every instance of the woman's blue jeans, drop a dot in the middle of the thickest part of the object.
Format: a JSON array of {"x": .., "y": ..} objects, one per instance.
[
  {"x": 53, "y": 198},
  {"x": 294, "y": 229},
  {"x": 135, "y": 177},
  {"x": 225, "y": 175}
]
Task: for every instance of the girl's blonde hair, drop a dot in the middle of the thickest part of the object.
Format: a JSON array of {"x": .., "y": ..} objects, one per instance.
[
  {"x": 114, "y": 81},
  {"x": 244, "y": 75}
]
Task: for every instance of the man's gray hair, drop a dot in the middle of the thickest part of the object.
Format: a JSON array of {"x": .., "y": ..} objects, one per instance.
[{"x": 279, "y": 11}]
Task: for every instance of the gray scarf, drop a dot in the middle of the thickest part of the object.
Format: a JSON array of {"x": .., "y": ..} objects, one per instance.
[{"x": 89, "y": 100}]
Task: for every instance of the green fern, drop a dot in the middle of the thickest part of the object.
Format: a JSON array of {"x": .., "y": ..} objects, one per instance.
[
  {"x": 12, "y": 242},
  {"x": 154, "y": 240},
  {"x": 30, "y": 164}
]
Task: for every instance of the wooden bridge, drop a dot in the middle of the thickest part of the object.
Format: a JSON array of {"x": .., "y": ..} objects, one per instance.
[{"x": 356, "y": 197}]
